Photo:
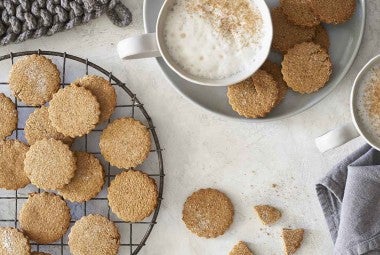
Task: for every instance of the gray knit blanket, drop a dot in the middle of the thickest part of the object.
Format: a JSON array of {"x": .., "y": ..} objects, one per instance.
[{"x": 30, "y": 19}]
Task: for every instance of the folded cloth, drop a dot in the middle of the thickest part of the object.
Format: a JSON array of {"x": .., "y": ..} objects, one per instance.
[{"x": 350, "y": 199}]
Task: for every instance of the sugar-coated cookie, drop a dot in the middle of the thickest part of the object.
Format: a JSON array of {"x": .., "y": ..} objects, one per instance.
[
  {"x": 8, "y": 116},
  {"x": 241, "y": 248},
  {"x": 292, "y": 239},
  {"x": 334, "y": 11},
  {"x": 299, "y": 12},
  {"x": 267, "y": 214}
]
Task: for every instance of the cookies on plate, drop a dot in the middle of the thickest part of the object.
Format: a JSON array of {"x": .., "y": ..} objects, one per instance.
[
  {"x": 34, "y": 79},
  {"x": 12, "y": 156},
  {"x": 87, "y": 181},
  {"x": 38, "y": 126},
  {"x": 95, "y": 235},
  {"x": 274, "y": 69},
  {"x": 254, "y": 97},
  {"x": 13, "y": 242},
  {"x": 50, "y": 164},
  {"x": 267, "y": 214},
  {"x": 125, "y": 143},
  {"x": 292, "y": 239},
  {"x": 45, "y": 217},
  {"x": 208, "y": 213},
  {"x": 132, "y": 195},
  {"x": 74, "y": 111},
  {"x": 334, "y": 11},
  {"x": 241, "y": 248},
  {"x": 103, "y": 91},
  {"x": 306, "y": 68},
  {"x": 299, "y": 12},
  {"x": 8, "y": 116}
]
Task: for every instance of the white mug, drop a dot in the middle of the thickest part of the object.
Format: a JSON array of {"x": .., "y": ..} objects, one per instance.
[
  {"x": 153, "y": 45},
  {"x": 349, "y": 131}
]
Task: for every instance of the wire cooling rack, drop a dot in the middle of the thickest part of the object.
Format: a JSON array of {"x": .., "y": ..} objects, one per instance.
[{"x": 133, "y": 235}]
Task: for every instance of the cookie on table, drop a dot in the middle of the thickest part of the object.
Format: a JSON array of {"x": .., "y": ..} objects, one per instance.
[
  {"x": 50, "y": 164},
  {"x": 8, "y": 116},
  {"x": 125, "y": 143},
  {"x": 334, "y": 11},
  {"x": 299, "y": 12},
  {"x": 241, "y": 248},
  {"x": 45, "y": 217},
  {"x": 292, "y": 239},
  {"x": 306, "y": 68},
  {"x": 12, "y": 156},
  {"x": 34, "y": 79},
  {"x": 286, "y": 34},
  {"x": 87, "y": 181},
  {"x": 74, "y": 111},
  {"x": 322, "y": 37},
  {"x": 95, "y": 235},
  {"x": 267, "y": 214},
  {"x": 39, "y": 253},
  {"x": 274, "y": 69},
  {"x": 13, "y": 242},
  {"x": 103, "y": 91},
  {"x": 254, "y": 97},
  {"x": 132, "y": 195},
  {"x": 38, "y": 126},
  {"x": 208, "y": 213}
]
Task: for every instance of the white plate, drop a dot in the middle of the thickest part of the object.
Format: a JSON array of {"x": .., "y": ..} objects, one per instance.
[{"x": 345, "y": 42}]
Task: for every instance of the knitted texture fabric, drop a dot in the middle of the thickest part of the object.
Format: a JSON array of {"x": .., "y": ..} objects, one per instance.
[{"x": 27, "y": 19}]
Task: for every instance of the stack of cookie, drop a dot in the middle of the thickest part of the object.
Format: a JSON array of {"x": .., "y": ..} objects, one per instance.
[
  {"x": 302, "y": 40},
  {"x": 47, "y": 161}
]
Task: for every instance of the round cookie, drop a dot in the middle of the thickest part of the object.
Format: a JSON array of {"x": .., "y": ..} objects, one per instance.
[
  {"x": 285, "y": 34},
  {"x": 38, "y": 126},
  {"x": 125, "y": 143},
  {"x": 333, "y": 11},
  {"x": 45, "y": 217},
  {"x": 254, "y": 97},
  {"x": 306, "y": 68},
  {"x": 74, "y": 111},
  {"x": 8, "y": 116},
  {"x": 50, "y": 164},
  {"x": 13, "y": 242},
  {"x": 95, "y": 235},
  {"x": 104, "y": 93},
  {"x": 34, "y": 79},
  {"x": 132, "y": 195},
  {"x": 88, "y": 179},
  {"x": 208, "y": 213},
  {"x": 299, "y": 12},
  {"x": 12, "y": 174},
  {"x": 322, "y": 37},
  {"x": 274, "y": 69}
]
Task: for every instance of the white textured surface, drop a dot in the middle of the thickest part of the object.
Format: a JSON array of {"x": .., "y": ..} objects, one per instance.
[{"x": 242, "y": 159}]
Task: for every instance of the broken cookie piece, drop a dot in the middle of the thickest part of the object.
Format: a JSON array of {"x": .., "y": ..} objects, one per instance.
[
  {"x": 267, "y": 214},
  {"x": 241, "y": 248},
  {"x": 292, "y": 239}
]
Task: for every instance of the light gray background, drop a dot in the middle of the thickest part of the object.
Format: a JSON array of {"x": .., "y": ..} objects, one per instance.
[{"x": 242, "y": 159}]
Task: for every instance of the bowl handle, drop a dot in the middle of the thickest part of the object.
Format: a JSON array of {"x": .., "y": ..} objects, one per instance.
[{"x": 141, "y": 46}]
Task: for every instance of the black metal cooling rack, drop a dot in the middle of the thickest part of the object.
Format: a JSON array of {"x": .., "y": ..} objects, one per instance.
[{"x": 132, "y": 246}]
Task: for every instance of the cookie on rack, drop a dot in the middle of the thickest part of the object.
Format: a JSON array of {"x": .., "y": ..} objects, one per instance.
[
  {"x": 8, "y": 116},
  {"x": 34, "y": 79},
  {"x": 306, "y": 68},
  {"x": 39, "y": 253},
  {"x": 241, "y": 248},
  {"x": 299, "y": 12},
  {"x": 13, "y": 242},
  {"x": 95, "y": 235},
  {"x": 45, "y": 217},
  {"x": 132, "y": 195},
  {"x": 38, "y": 126},
  {"x": 125, "y": 143},
  {"x": 274, "y": 69},
  {"x": 74, "y": 111},
  {"x": 322, "y": 37},
  {"x": 292, "y": 239},
  {"x": 103, "y": 91},
  {"x": 50, "y": 164},
  {"x": 254, "y": 97},
  {"x": 87, "y": 181},
  {"x": 12, "y": 156},
  {"x": 334, "y": 11},
  {"x": 208, "y": 213},
  {"x": 286, "y": 34},
  {"x": 267, "y": 214}
]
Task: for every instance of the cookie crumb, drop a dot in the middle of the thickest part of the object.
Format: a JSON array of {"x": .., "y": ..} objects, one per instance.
[{"x": 267, "y": 214}]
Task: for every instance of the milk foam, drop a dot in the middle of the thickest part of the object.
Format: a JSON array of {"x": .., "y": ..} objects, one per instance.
[{"x": 200, "y": 50}]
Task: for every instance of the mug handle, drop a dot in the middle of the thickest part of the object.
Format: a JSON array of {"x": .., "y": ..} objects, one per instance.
[
  {"x": 336, "y": 137},
  {"x": 141, "y": 46}
]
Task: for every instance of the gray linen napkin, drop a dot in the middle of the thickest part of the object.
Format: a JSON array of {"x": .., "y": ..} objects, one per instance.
[{"x": 350, "y": 199}]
